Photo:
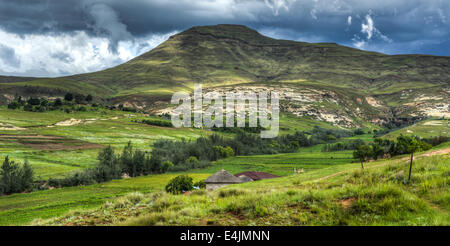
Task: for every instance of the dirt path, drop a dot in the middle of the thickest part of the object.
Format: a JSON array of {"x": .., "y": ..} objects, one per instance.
[{"x": 431, "y": 153}]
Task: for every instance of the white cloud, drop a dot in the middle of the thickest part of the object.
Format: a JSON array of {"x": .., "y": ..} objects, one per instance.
[
  {"x": 276, "y": 5},
  {"x": 368, "y": 27},
  {"x": 65, "y": 54},
  {"x": 349, "y": 20}
]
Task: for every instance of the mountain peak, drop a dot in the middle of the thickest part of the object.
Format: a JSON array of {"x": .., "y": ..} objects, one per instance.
[
  {"x": 220, "y": 29},
  {"x": 229, "y": 31}
]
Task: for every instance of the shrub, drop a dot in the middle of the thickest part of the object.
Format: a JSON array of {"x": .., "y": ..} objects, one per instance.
[
  {"x": 68, "y": 97},
  {"x": 166, "y": 166},
  {"x": 13, "y": 105},
  {"x": 200, "y": 184},
  {"x": 179, "y": 184},
  {"x": 224, "y": 152}
]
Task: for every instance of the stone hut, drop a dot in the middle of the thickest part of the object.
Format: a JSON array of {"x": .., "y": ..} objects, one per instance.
[{"x": 221, "y": 179}]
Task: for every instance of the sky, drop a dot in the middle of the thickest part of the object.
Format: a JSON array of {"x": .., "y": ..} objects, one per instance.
[{"x": 49, "y": 38}]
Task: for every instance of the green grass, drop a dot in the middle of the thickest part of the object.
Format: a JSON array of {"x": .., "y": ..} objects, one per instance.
[
  {"x": 18, "y": 209},
  {"x": 105, "y": 127},
  {"x": 424, "y": 129},
  {"x": 113, "y": 128},
  {"x": 49, "y": 203},
  {"x": 308, "y": 159},
  {"x": 378, "y": 195}
]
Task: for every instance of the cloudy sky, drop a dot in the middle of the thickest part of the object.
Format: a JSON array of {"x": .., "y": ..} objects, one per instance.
[{"x": 62, "y": 37}]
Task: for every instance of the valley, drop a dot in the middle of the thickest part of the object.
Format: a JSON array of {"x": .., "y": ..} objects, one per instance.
[{"x": 331, "y": 98}]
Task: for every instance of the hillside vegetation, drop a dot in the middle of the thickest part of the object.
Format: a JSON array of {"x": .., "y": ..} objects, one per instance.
[{"x": 362, "y": 86}]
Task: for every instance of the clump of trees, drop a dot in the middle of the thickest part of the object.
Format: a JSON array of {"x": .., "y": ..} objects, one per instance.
[
  {"x": 71, "y": 102},
  {"x": 15, "y": 178},
  {"x": 132, "y": 162},
  {"x": 199, "y": 153},
  {"x": 155, "y": 122},
  {"x": 339, "y": 146},
  {"x": 402, "y": 145}
]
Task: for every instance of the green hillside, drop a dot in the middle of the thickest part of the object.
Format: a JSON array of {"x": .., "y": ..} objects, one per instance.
[
  {"x": 347, "y": 87},
  {"x": 337, "y": 195}
]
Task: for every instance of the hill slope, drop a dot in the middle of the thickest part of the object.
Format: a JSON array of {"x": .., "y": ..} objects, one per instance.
[
  {"x": 340, "y": 195},
  {"x": 377, "y": 85}
]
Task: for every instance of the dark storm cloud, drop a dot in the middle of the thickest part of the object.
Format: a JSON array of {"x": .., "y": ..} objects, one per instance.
[
  {"x": 326, "y": 20},
  {"x": 393, "y": 27}
]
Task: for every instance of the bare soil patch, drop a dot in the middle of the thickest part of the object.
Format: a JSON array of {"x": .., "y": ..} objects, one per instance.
[{"x": 346, "y": 203}]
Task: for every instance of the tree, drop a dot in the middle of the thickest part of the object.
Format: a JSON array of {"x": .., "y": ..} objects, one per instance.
[
  {"x": 13, "y": 105},
  {"x": 58, "y": 102},
  {"x": 27, "y": 176},
  {"x": 108, "y": 166},
  {"x": 15, "y": 179},
  {"x": 34, "y": 101},
  {"x": 68, "y": 97},
  {"x": 377, "y": 150},
  {"x": 44, "y": 102},
  {"x": 409, "y": 145},
  {"x": 88, "y": 98},
  {"x": 79, "y": 99},
  {"x": 363, "y": 152},
  {"x": 28, "y": 107},
  {"x": 166, "y": 166},
  {"x": 179, "y": 184}
]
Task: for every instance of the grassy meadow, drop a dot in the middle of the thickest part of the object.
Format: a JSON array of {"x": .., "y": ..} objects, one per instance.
[
  {"x": 338, "y": 195},
  {"x": 58, "y": 144}
]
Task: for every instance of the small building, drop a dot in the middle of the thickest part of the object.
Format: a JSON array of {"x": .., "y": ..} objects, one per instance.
[
  {"x": 253, "y": 176},
  {"x": 221, "y": 179}
]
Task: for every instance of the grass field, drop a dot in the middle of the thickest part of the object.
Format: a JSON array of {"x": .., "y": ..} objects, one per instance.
[
  {"x": 427, "y": 128},
  {"x": 338, "y": 195},
  {"x": 56, "y": 144},
  {"x": 102, "y": 127},
  {"x": 22, "y": 208}
]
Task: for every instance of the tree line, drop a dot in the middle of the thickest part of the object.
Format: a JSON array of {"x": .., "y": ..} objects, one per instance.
[
  {"x": 111, "y": 165},
  {"x": 69, "y": 103},
  {"x": 184, "y": 154}
]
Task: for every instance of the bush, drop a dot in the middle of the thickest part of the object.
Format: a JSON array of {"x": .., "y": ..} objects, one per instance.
[
  {"x": 13, "y": 105},
  {"x": 224, "y": 152},
  {"x": 179, "y": 184},
  {"x": 166, "y": 166},
  {"x": 68, "y": 97},
  {"x": 163, "y": 123},
  {"x": 200, "y": 184}
]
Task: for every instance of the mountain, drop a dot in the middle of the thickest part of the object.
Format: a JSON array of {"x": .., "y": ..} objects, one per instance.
[{"x": 326, "y": 81}]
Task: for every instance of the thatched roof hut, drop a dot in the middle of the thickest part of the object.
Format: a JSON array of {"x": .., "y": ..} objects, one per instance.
[{"x": 220, "y": 179}]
